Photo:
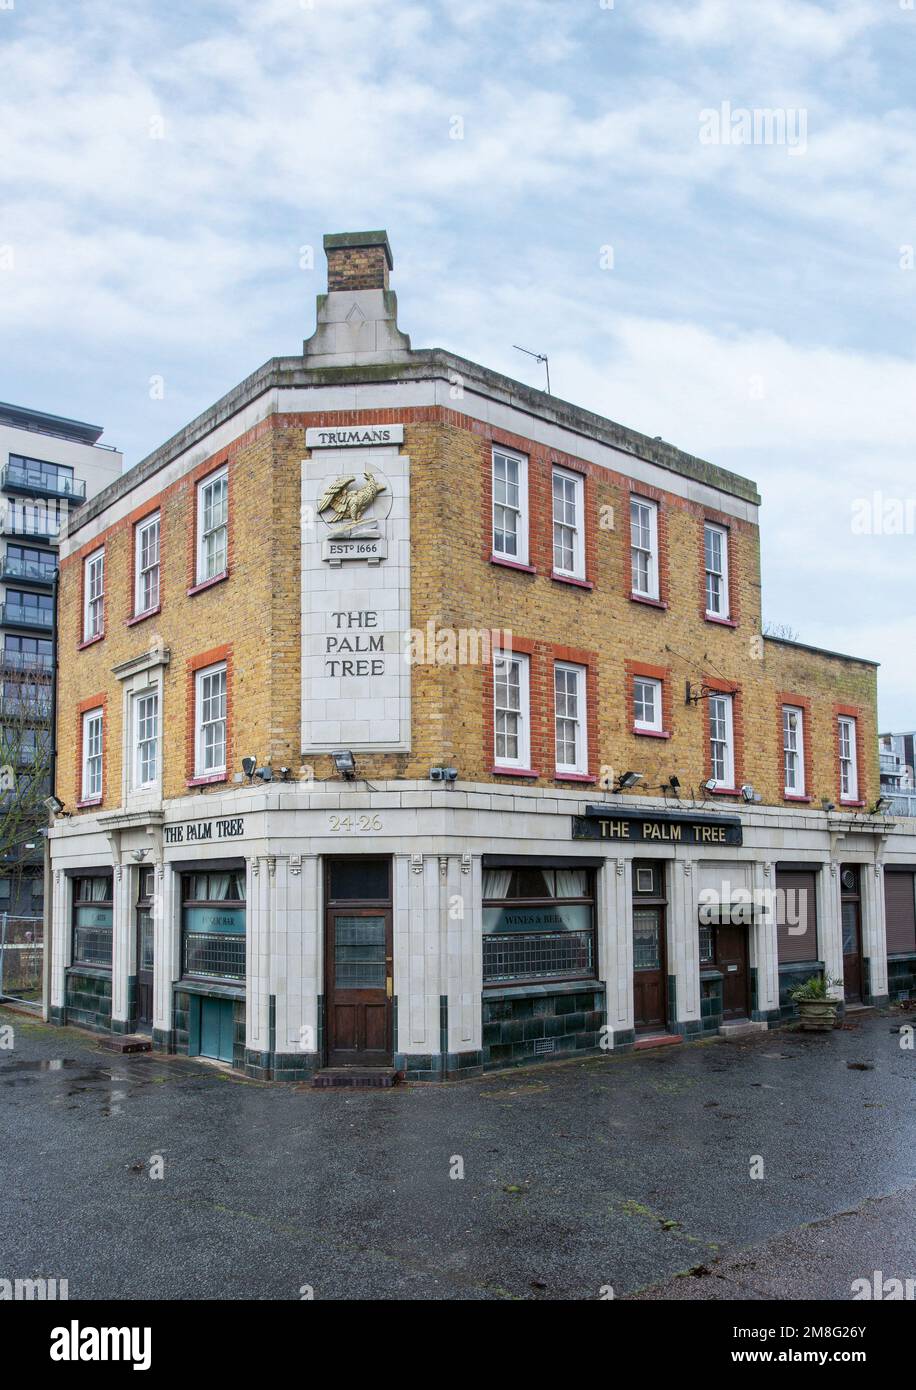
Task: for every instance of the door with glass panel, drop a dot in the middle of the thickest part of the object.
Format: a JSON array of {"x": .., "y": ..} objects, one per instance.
[
  {"x": 650, "y": 974},
  {"x": 358, "y": 956},
  {"x": 851, "y": 916},
  {"x": 145, "y": 950}
]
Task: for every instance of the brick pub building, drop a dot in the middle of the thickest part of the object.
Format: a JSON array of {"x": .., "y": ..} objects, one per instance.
[{"x": 413, "y": 718}]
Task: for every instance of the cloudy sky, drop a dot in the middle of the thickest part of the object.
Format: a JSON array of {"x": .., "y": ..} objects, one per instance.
[{"x": 547, "y": 176}]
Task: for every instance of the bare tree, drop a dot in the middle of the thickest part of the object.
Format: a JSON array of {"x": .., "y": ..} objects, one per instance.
[
  {"x": 25, "y": 769},
  {"x": 781, "y": 631}
]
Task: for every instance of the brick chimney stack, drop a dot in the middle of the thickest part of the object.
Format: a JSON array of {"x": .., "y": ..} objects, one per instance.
[
  {"x": 357, "y": 319},
  {"x": 358, "y": 260}
]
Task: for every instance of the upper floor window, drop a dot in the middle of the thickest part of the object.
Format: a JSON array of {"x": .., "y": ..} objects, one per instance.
[
  {"x": 722, "y": 740},
  {"x": 211, "y": 705},
  {"x": 568, "y": 515},
  {"x": 793, "y": 749},
  {"x": 644, "y": 547},
  {"x": 569, "y": 712},
  {"x": 213, "y": 526},
  {"x": 93, "y": 595},
  {"x": 715, "y": 541},
  {"x": 511, "y": 717},
  {"x": 146, "y": 739},
  {"x": 146, "y": 565},
  {"x": 849, "y": 771},
  {"x": 647, "y": 704},
  {"x": 510, "y": 506},
  {"x": 92, "y": 755}
]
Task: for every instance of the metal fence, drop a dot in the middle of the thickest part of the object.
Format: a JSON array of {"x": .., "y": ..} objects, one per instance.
[
  {"x": 21, "y": 952},
  {"x": 902, "y": 803}
]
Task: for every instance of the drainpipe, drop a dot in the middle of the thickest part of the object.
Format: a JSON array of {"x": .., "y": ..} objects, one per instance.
[{"x": 49, "y": 878}]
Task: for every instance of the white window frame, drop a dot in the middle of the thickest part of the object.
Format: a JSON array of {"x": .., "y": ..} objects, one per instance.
[
  {"x": 200, "y": 727},
  {"x": 521, "y": 662},
  {"x": 577, "y": 526},
  {"x": 520, "y": 510},
  {"x": 724, "y": 612},
  {"x": 646, "y": 726},
  {"x": 94, "y": 595},
  {"x": 579, "y": 766},
  {"x": 219, "y": 477},
  {"x": 644, "y": 544},
  {"x": 727, "y": 704},
  {"x": 849, "y": 762},
  {"x": 138, "y": 782},
  {"x": 92, "y": 719},
  {"x": 141, "y": 571},
  {"x": 797, "y": 751}
]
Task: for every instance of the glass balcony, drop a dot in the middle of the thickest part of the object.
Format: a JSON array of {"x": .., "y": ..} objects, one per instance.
[
  {"x": 32, "y": 571},
  {"x": 39, "y": 662},
  {"x": 26, "y": 615},
  {"x": 42, "y": 482},
  {"x": 39, "y": 528},
  {"x": 28, "y": 709}
]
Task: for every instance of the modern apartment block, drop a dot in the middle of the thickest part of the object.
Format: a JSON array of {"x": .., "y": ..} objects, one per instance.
[
  {"x": 413, "y": 718},
  {"x": 48, "y": 467}
]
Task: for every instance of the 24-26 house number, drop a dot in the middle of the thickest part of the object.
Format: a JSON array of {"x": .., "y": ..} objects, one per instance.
[{"x": 354, "y": 824}]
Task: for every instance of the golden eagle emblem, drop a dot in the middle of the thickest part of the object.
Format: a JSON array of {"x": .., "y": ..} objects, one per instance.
[{"x": 348, "y": 505}]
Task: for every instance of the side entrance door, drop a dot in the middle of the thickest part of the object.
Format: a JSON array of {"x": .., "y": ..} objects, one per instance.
[
  {"x": 358, "y": 963},
  {"x": 216, "y": 1029},
  {"x": 732, "y": 960},
  {"x": 145, "y": 950},
  {"x": 650, "y": 972},
  {"x": 851, "y": 913}
]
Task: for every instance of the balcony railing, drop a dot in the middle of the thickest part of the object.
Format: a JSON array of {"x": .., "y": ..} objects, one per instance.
[
  {"x": 15, "y": 478},
  {"x": 31, "y": 709},
  {"x": 25, "y": 615},
  {"x": 31, "y": 571},
  {"x": 902, "y": 803},
  {"x": 40, "y": 662},
  {"x": 41, "y": 528}
]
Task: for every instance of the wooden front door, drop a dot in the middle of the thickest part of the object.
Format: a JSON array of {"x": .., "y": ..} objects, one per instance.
[
  {"x": 145, "y": 950},
  {"x": 732, "y": 960},
  {"x": 650, "y": 973},
  {"x": 358, "y": 956},
  {"x": 851, "y": 914}
]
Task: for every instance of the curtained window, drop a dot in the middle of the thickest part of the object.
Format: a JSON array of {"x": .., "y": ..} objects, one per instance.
[{"x": 538, "y": 924}]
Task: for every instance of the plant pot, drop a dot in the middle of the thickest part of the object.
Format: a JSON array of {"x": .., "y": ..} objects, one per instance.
[{"x": 817, "y": 1015}]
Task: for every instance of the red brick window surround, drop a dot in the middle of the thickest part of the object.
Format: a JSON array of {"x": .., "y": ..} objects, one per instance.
[
  {"x": 718, "y": 570},
  {"x": 584, "y": 665},
  {"x": 787, "y": 699},
  {"x": 647, "y": 567},
  {"x": 661, "y": 725},
  {"x": 204, "y": 694},
  {"x": 853, "y": 714},
  {"x": 513, "y": 690},
  {"x": 145, "y": 592},
  {"x": 508, "y": 498},
  {"x": 568, "y": 521},
  {"x": 91, "y": 705},
  {"x": 734, "y": 731},
  {"x": 210, "y": 532},
  {"x": 92, "y": 598}
]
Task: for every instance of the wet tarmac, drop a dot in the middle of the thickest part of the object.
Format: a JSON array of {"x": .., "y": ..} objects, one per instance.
[{"x": 779, "y": 1166}]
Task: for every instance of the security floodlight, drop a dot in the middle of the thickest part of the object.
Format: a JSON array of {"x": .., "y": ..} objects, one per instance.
[
  {"x": 747, "y": 791},
  {"x": 674, "y": 783},
  {"x": 628, "y": 780},
  {"x": 827, "y": 805},
  {"x": 345, "y": 763},
  {"x": 53, "y": 804},
  {"x": 265, "y": 774},
  {"x": 248, "y": 766},
  {"x": 881, "y": 807},
  {"x": 709, "y": 785}
]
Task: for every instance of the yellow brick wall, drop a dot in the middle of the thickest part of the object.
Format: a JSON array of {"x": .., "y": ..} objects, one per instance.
[{"x": 257, "y": 612}]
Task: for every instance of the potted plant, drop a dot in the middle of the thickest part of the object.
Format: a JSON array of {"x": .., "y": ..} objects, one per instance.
[{"x": 816, "y": 1008}]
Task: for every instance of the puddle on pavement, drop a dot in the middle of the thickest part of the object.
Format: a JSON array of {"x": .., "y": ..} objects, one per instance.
[{"x": 56, "y": 1064}]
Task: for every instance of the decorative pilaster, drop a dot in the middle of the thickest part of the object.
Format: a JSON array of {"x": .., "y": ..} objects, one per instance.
[
  {"x": 764, "y": 952},
  {"x": 615, "y": 946},
  {"x": 830, "y": 927},
  {"x": 874, "y": 929},
  {"x": 123, "y": 947},
  {"x": 684, "y": 942},
  {"x": 166, "y": 950}
]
